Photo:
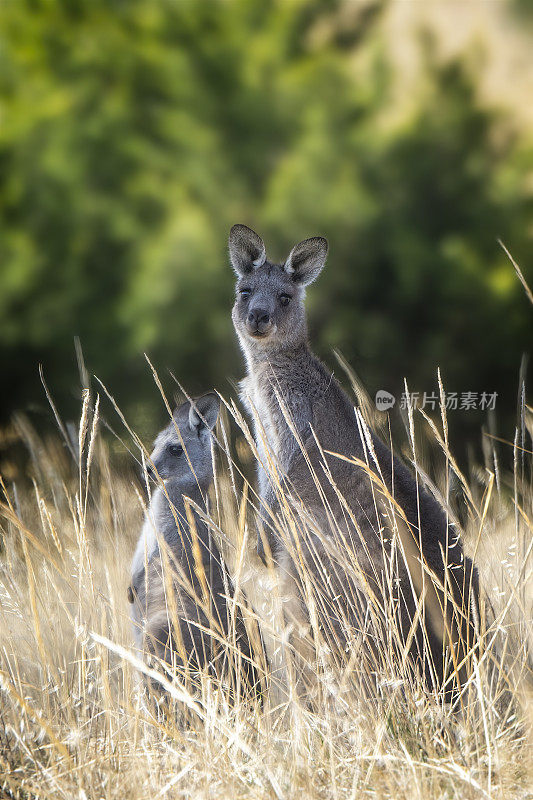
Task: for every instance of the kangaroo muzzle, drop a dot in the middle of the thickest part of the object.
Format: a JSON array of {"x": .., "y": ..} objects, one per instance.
[{"x": 258, "y": 322}]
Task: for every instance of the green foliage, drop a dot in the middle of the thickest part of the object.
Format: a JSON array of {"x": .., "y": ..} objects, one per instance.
[{"x": 135, "y": 133}]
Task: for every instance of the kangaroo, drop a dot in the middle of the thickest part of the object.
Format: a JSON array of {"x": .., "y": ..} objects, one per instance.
[
  {"x": 310, "y": 442},
  {"x": 187, "y": 583}
]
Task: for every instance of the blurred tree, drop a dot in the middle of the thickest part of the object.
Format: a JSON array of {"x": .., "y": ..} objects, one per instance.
[{"x": 134, "y": 134}]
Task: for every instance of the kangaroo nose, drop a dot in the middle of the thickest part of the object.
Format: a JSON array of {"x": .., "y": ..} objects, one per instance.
[
  {"x": 150, "y": 471},
  {"x": 258, "y": 317}
]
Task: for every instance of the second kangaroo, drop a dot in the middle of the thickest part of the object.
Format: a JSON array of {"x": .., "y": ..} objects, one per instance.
[{"x": 179, "y": 583}]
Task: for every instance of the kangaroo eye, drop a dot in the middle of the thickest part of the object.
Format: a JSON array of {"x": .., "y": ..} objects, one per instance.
[
  {"x": 244, "y": 293},
  {"x": 285, "y": 299},
  {"x": 175, "y": 449}
]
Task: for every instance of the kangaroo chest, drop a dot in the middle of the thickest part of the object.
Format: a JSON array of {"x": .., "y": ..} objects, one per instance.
[
  {"x": 147, "y": 542},
  {"x": 270, "y": 405}
]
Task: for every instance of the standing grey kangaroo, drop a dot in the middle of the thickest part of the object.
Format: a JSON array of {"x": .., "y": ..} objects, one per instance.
[
  {"x": 178, "y": 591},
  {"x": 350, "y": 493}
]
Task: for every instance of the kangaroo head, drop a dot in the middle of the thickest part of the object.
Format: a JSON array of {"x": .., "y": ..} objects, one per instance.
[
  {"x": 269, "y": 306},
  {"x": 175, "y": 453}
]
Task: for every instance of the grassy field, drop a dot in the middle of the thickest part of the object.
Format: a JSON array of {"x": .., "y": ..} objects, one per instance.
[{"x": 75, "y": 720}]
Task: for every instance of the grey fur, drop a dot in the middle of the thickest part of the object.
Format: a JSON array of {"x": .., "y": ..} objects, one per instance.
[
  {"x": 285, "y": 381},
  {"x": 182, "y": 461}
]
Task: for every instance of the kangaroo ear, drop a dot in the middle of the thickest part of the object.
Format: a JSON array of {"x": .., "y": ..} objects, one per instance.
[
  {"x": 246, "y": 249},
  {"x": 306, "y": 260},
  {"x": 203, "y": 412},
  {"x": 179, "y": 401}
]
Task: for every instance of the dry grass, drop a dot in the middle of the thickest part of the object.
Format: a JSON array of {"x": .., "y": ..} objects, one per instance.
[{"x": 75, "y": 720}]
